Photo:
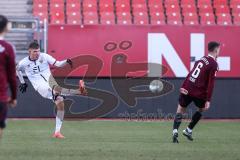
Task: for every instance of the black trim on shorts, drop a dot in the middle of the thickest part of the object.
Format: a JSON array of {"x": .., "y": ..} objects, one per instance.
[
  {"x": 54, "y": 62},
  {"x": 54, "y": 96},
  {"x": 43, "y": 77}
]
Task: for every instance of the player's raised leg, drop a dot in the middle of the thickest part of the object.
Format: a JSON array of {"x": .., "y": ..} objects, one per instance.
[{"x": 65, "y": 91}]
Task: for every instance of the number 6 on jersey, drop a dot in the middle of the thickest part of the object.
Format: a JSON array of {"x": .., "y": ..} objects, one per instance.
[{"x": 197, "y": 70}]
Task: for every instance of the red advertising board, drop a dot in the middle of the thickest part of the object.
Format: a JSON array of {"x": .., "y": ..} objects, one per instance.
[{"x": 176, "y": 47}]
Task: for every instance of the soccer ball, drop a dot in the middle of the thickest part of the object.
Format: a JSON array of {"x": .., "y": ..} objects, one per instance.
[{"x": 156, "y": 86}]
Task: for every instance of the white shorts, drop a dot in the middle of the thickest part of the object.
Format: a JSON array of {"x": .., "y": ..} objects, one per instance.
[{"x": 45, "y": 91}]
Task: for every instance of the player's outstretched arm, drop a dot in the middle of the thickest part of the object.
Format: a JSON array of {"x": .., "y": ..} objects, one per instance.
[
  {"x": 23, "y": 86},
  {"x": 51, "y": 60},
  {"x": 63, "y": 63}
]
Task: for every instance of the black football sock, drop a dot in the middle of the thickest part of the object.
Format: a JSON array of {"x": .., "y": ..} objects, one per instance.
[
  {"x": 177, "y": 121},
  {"x": 195, "y": 118}
]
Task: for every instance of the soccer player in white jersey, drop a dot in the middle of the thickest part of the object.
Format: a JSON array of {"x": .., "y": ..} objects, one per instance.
[{"x": 36, "y": 67}]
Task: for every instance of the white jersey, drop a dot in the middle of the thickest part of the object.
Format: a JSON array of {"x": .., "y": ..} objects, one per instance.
[{"x": 38, "y": 72}]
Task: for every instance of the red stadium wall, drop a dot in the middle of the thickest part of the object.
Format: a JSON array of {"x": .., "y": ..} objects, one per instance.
[{"x": 176, "y": 47}]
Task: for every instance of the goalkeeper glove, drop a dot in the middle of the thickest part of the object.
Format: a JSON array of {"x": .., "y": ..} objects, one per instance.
[
  {"x": 23, "y": 87},
  {"x": 69, "y": 61}
]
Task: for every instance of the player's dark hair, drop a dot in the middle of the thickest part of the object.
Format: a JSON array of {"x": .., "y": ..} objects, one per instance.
[
  {"x": 212, "y": 46},
  {"x": 3, "y": 23},
  {"x": 34, "y": 45}
]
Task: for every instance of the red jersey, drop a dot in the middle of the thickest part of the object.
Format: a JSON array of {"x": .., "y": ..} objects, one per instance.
[
  {"x": 7, "y": 71},
  {"x": 200, "y": 81}
]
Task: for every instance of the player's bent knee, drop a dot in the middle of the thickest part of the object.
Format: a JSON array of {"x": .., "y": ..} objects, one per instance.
[
  {"x": 58, "y": 99},
  {"x": 57, "y": 89},
  {"x": 60, "y": 105},
  {"x": 181, "y": 109}
]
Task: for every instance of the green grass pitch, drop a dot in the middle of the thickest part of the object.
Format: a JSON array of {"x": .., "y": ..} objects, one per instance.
[{"x": 118, "y": 140}]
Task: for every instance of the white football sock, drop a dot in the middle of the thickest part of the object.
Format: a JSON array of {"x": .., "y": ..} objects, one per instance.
[
  {"x": 189, "y": 130},
  {"x": 175, "y": 131},
  {"x": 59, "y": 120}
]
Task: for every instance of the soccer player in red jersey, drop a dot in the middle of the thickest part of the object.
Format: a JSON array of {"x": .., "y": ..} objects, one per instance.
[
  {"x": 197, "y": 87},
  {"x": 7, "y": 74}
]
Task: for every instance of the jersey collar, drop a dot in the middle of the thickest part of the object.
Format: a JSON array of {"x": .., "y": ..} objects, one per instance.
[
  {"x": 209, "y": 55},
  {"x": 30, "y": 59}
]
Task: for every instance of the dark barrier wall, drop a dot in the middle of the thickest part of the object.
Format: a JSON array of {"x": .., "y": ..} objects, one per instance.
[{"x": 225, "y": 103}]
